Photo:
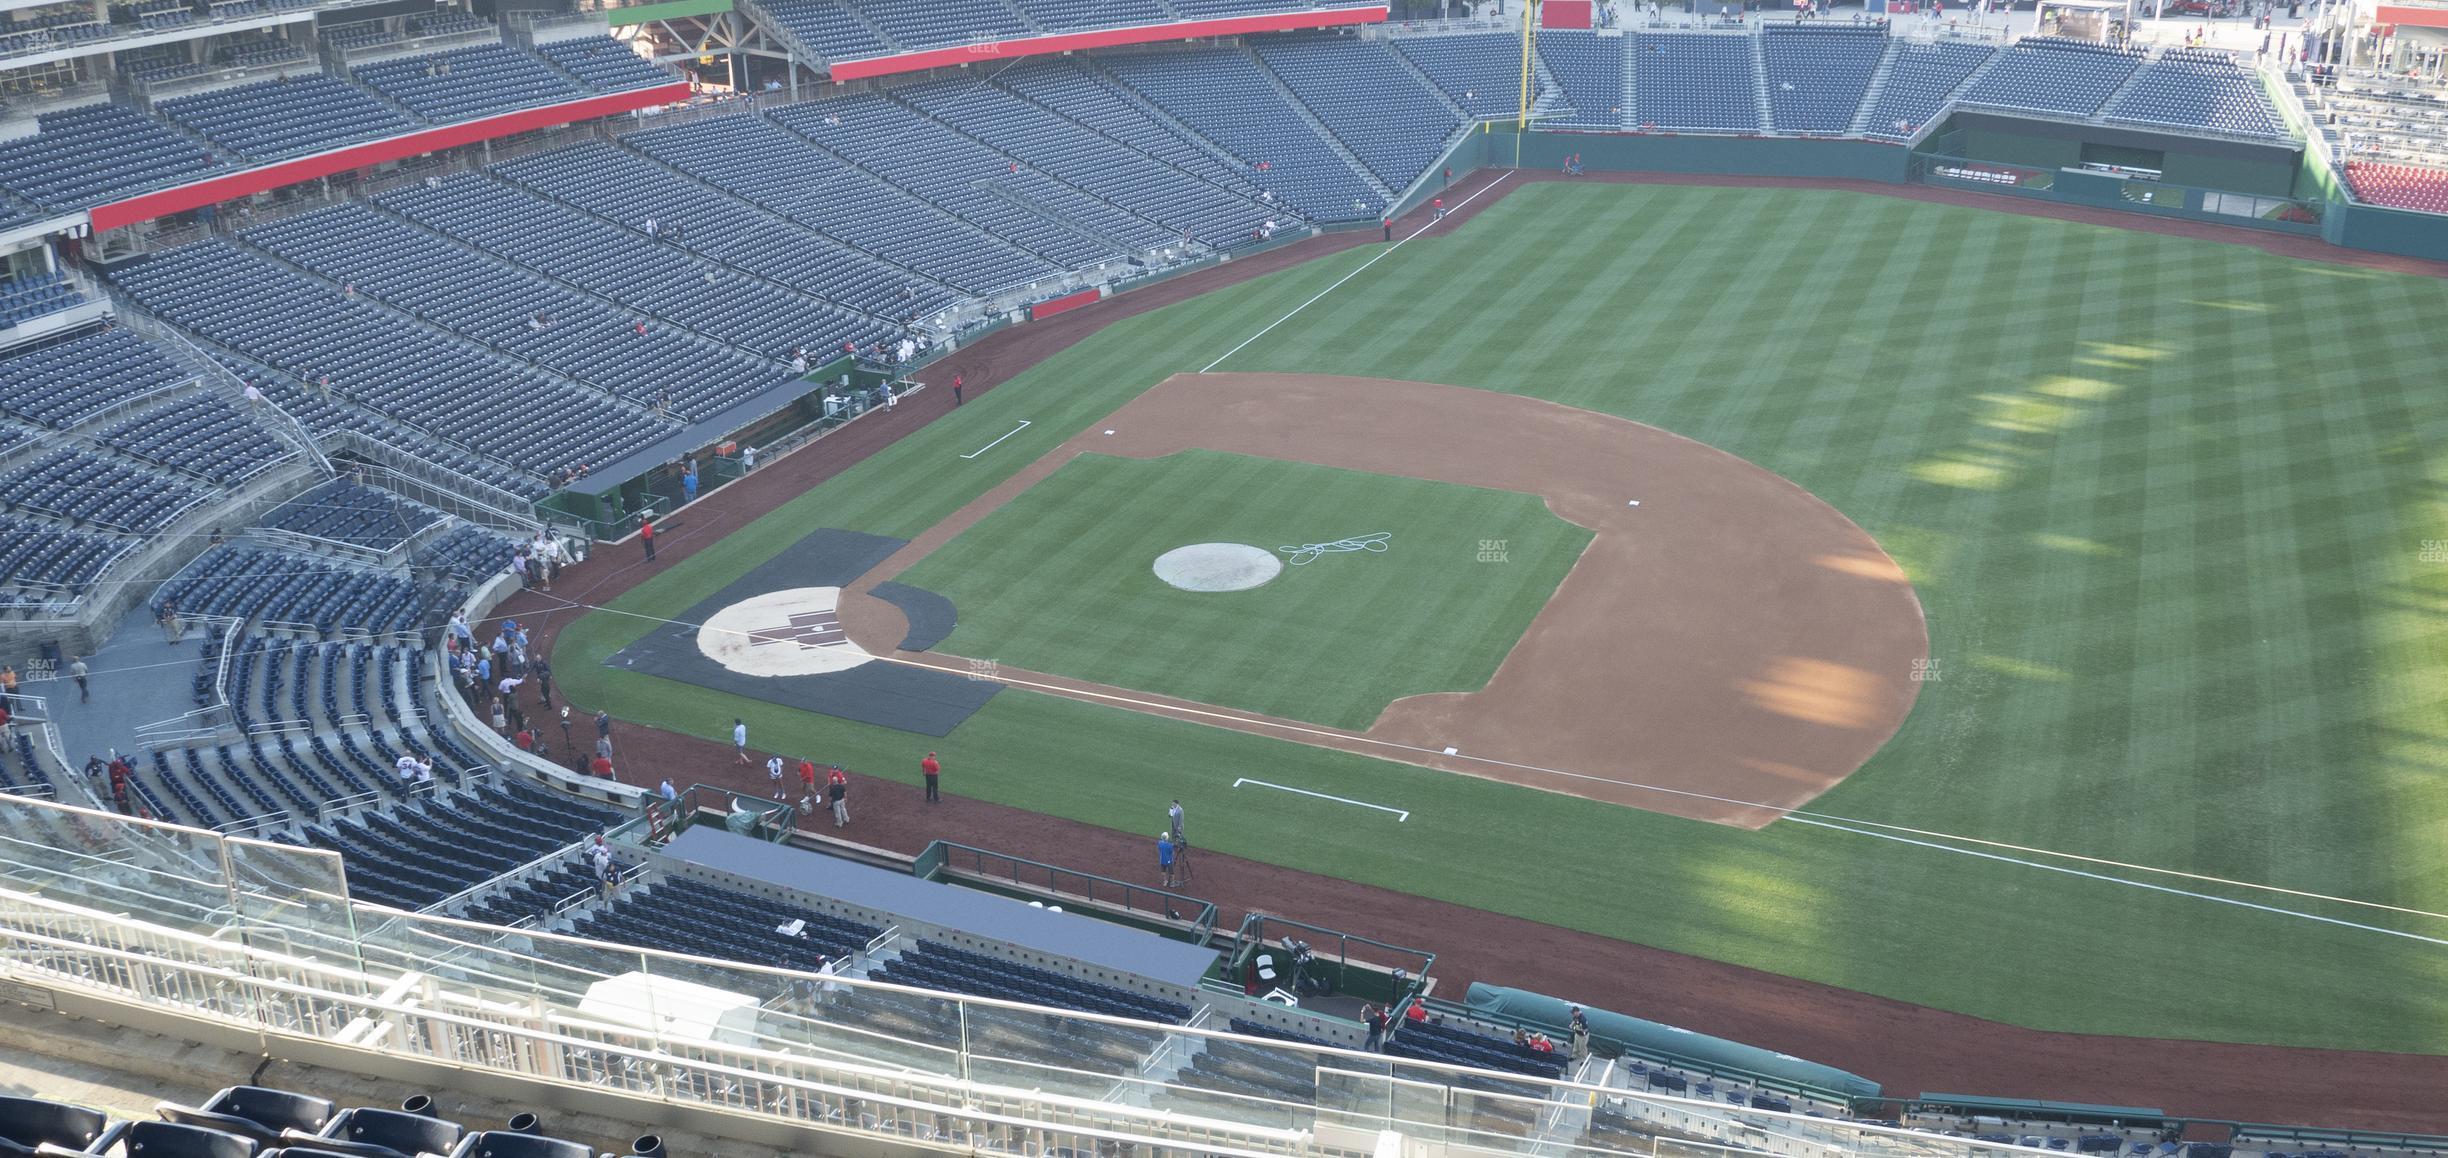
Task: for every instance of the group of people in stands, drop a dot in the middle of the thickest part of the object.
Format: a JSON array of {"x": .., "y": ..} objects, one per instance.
[{"x": 122, "y": 791}]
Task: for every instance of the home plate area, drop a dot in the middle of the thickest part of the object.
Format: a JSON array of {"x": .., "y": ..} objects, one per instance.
[
  {"x": 775, "y": 634},
  {"x": 794, "y": 631}
]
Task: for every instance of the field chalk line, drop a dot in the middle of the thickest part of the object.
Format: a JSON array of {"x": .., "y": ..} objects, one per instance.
[
  {"x": 1899, "y": 833},
  {"x": 1389, "y": 252},
  {"x": 2144, "y": 885},
  {"x": 1024, "y": 425},
  {"x": 1400, "y": 815}
]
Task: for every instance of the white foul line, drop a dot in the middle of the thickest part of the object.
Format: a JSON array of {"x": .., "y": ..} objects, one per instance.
[
  {"x": 991, "y": 445},
  {"x": 1386, "y": 253},
  {"x": 2144, "y": 885},
  {"x": 1400, "y": 815}
]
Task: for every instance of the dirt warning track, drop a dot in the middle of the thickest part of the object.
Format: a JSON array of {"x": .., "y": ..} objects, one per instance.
[{"x": 1726, "y": 637}]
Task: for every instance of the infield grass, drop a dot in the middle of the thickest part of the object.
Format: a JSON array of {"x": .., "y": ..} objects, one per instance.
[
  {"x": 2175, "y": 510},
  {"x": 1060, "y": 580}
]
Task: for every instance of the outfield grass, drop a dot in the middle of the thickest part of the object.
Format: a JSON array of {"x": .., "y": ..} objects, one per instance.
[
  {"x": 1059, "y": 580},
  {"x": 2166, "y": 503}
]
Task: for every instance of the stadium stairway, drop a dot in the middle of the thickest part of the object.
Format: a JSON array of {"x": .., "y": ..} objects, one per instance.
[
  {"x": 1759, "y": 82},
  {"x": 1316, "y": 125},
  {"x": 408, "y": 315},
  {"x": 2123, "y": 90},
  {"x": 1870, "y": 95},
  {"x": 1631, "y": 81},
  {"x": 1420, "y": 77},
  {"x": 711, "y": 345}
]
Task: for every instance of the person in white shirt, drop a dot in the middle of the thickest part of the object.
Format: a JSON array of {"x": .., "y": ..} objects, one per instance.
[
  {"x": 739, "y": 739},
  {"x": 407, "y": 767}
]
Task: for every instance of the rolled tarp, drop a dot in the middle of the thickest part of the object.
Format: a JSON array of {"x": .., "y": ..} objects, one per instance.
[{"x": 1673, "y": 1043}]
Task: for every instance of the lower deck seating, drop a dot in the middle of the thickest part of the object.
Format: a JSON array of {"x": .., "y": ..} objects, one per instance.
[
  {"x": 707, "y": 920},
  {"x": 2399, "y": 186},
  {"x": 417, "y": 855},
  {"x": 934, "y": 965},
  {"x": 285, "y": 586}
]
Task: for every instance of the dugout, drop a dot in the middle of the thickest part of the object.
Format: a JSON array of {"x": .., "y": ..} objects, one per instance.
[{"x": 1673, "y": 1045}]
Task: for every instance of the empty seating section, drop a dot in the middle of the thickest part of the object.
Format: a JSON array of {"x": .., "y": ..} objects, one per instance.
[
  {"x": 23, "y": 299},
  {"x": 65, "y": 383},
  {"x": 304, "y": 328},
  {"x": 1252, "y": 1071},
  {"x": 172, "y": 65},
  {"x": 199, "y": 434},
  {"x": 312, "y": 591},
  {"x": 1223, "y": 94},
  {"x": 2199, "y": 89},
  {"x": 89, "y": 155},
  {"x": 828, "y": 28},
  {"x": 263, "y": 52},
  {"x": 468, "y": 552},
  {"x": 1818, "y": 73},
  {"x": 1695, "y": 82},
  {"x": 682, "y": 915},
  {"x": 1071, "y": 15},
  {"x": 624, "y": 190},
  {"x": 1920, "y": 83},
  {"x": 999, "y": 195},
  {"x": 43, "y": 563},
  {"x": 284, "y": 117},
  {"x": 79, "y": 487},
  {"x": 1456, "y": 1046},
  {"x": 534, "y": 898},
  {"x": 1480, "y": 72},
  {"x": 1082, "y": 96},
  {"x": 417, "y": 855},
  {"x": 604, "y": 64},
  {"x": 1590, "y": 70},
  {"x": 1174, "y": 200},
  {"x": 364, "y": 34},
  {"x": 360, "y": 516},
  {"x": 934, "y": 965},
  {"x": 630, "y": 269},
  {"x": 521, "y": 316},
  {"x": 448, "y": 24},
  {"x": 920, "y": 24},
  {"x": 2048, "y": 74},
  {"x": 754, "y": 159},
  {"x": 2399, "y": 186},
  {"x": 467, "y": 83},
  {"x": 1368, "y": 100}
]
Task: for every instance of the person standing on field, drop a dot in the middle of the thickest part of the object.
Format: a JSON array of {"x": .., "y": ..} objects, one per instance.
[
  {"x": 933, "y": 771},
  {"x": 837, "y": 790}
]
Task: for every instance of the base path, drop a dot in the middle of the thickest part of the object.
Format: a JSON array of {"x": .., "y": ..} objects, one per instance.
[
  {"x": 1908, "y": 1048},
  {"x": 1725, "y": 638}
]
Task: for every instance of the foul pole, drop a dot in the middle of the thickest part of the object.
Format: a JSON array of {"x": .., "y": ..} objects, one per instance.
[{"x": 1529, "y": 40}]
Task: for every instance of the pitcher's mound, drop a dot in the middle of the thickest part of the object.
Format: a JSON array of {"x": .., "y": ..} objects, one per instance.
[{"x": 1218, "y": 566}]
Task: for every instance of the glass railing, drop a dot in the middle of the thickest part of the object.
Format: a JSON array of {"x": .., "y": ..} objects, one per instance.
[{"x": 267, "y": 942}]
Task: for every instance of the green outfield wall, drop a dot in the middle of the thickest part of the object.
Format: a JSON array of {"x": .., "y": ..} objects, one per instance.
[{"x": 2280, "y": 187}]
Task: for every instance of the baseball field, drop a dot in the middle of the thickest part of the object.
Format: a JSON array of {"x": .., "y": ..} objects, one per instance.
[{"x": 2170, "y": 508}]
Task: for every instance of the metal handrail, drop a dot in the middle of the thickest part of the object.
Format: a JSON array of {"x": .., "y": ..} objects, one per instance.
[{"x": 248, "y": 826}]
